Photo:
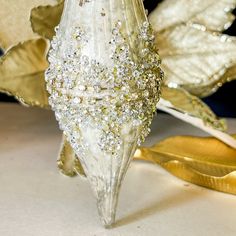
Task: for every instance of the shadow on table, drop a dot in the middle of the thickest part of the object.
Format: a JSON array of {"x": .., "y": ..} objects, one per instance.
[{"x": 174, "y": 200}]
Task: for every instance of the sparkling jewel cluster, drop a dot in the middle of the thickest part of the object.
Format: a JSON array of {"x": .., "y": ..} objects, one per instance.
[{"x": 84, "y": 92}]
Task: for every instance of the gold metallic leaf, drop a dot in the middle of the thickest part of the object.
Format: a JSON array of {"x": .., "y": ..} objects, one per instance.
[
  {"x": 68, "y": 163},
  {"x": 191, "y": 105},
  {"x": 22, "y": 72},
  {"x": 14, "y": 24},
  {"x": 191, "y": 109},
  {"x": 212, "y": 14},
  {"x": 202, "y": 161},
  {"x": 194, "y": 56},
  {"x": 45, "y": 18}
]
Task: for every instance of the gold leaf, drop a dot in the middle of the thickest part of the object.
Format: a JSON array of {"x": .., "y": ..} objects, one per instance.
[
  {"x": 14, "y": 24},
  {"x": 68, "y": 163},
  {"x": 192, "y": 56},
  {"x": 191, "y": 109},
  {"x": 186, "y": 103},
  {"x": 212, "y": 14},
  {"x": 45, "y": 18},
  {"x": 188, "y": 158},
  {"x": 22, "y": 72}
]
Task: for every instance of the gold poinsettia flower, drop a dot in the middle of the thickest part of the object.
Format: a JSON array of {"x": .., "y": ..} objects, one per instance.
[{"x": 197, "y": 59}]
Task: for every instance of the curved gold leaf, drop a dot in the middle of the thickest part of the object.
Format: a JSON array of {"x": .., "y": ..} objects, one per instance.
[
  {"x": 68, "y": 163},
  {"x": 195, "y": 59},
  {"x": 212, "y": 14},
  {"x": 192, "y": 56},
  {"x": 22, "y": 72},
  {"x": 45, "y": 18},
  {"x": 190, "y": 105},
  {"x": 188, "y": 158},
  {"x": 191, "y": 109},
  {"x": 14, "y": 24}
]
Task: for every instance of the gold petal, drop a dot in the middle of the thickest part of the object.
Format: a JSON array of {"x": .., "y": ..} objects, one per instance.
[
  {"x": 191, "y": 109},
  {"x": 180, "y": 100},
  {"x": 211, "y": 14},
  {"x": 14, "y": 24},
  {"x": 197, "y": 60},
  {"x": 44, "y": 19},
  {"x": 195, "y": 55},
  {"x": 188, "y": 158},
  {"x": 68, "y": 163},
  {"x": 22, "y": 72}
]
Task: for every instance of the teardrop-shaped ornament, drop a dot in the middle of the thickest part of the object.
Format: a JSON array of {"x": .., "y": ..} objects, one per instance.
[{"x": 104, "y": 83}]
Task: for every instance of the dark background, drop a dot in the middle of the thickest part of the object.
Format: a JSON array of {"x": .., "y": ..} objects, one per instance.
[{"x": 222, "y": 102}]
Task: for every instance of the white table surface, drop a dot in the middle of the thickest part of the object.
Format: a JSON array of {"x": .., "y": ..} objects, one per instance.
[{"x": 36, "y": 200}]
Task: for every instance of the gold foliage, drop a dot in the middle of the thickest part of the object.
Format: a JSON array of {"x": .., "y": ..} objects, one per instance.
[
  {"x": 195, "y": 54},
  {"x": 45, "y": 18},
  {"x": 14, "y": 24},
  {"x": 214, "y": 15},
  {"x": 22, "y": 72},
  {"x": 68, "y": 163},
  {"x": 182, "y": 101},
  {"x": 188, "y": 158}
]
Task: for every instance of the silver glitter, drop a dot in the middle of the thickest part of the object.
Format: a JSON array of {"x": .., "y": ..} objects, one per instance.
[{"x": 128, "y": 92}]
